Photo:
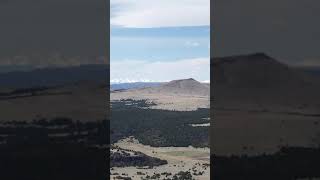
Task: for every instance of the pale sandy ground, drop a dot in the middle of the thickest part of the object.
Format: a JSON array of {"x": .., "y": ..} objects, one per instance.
[
  {"x": 179, "y": 159},
  {"x": 175, "y": 102}
]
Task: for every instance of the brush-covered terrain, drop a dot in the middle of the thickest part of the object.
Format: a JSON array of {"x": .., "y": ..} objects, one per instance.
[{"x": 158, "y": 127}]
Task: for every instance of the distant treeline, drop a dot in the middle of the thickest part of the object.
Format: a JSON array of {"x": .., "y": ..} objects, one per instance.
[
  {"x": 290, "y": 163},
  {"x": 57, "y": 130},
  {"x": 23, "y": 91},
  {"x": 158, "y": 127},
  {"x": 124, "y": 159},
  {"x": 30, "y": 92}
]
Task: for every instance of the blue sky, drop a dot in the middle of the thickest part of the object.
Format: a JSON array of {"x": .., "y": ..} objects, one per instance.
[{"x": 151, "y": 42}]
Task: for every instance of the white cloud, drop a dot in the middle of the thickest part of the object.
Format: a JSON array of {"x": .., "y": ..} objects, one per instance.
[
  {"x": 146, "y": 71},
  {"x": 192, "y": 44},
  {"x": 160, "y": 13}
]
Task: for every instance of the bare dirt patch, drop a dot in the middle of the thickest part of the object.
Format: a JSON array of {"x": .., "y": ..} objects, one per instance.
[{"x": 194, "y": 160}]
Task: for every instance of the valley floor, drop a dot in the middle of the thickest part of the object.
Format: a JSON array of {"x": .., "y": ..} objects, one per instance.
[
  {"x": 194, "y": 160},
  {"x": 174, "y": 102}
]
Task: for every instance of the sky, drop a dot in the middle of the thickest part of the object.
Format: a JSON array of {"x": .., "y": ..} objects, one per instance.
[
  {"x": 159, "y": 40},
  {"x": 49, "y": 27},
  {"x": 288, "y": 30}
]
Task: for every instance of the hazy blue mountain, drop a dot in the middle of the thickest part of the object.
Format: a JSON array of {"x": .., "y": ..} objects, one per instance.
[
  {"x": 134, "y": 85},
  {"x": 54, "y": 76},
  {"x": 314, "y": 71}
]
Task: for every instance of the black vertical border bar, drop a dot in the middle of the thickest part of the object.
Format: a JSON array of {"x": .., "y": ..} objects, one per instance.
[
  {"x": 107, "y": 55},
  {"x": 211, "y": 86},
  {"x": 107, "y": 34}
]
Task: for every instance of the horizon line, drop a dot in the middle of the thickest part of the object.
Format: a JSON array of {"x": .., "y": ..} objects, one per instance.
[{"x": 149, "y": 81}]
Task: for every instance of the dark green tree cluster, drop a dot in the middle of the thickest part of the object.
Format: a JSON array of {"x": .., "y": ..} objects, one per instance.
[{"x": 158, "y": 127}]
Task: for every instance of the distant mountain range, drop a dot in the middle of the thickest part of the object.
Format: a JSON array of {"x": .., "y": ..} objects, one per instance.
[
  {"x": 176, "y": 95},
  {"x": 182, "y": 87},
  {"x": 135, "y": 85},
  {"x": 189, "y": 87}
]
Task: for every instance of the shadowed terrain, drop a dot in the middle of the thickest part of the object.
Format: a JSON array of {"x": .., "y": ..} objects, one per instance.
[
  {"x": 53, "y": 123},
  {"x": 261, "y": 106}
]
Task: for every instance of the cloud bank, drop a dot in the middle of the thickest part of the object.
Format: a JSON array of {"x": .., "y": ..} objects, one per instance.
[
  {"x": 161, "y": 71},
  {"x": 160, "y": 13}
]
